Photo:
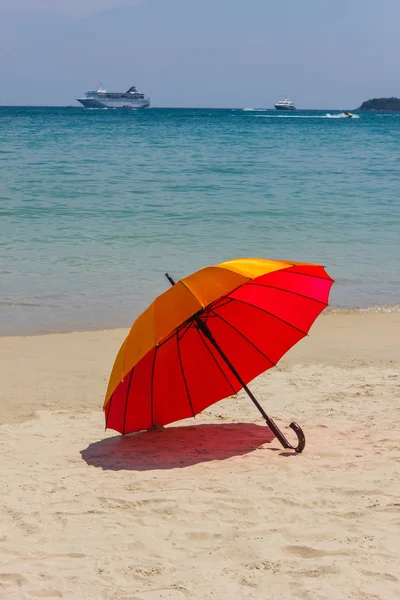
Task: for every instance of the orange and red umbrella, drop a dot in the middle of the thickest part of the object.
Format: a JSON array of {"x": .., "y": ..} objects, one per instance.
[{"x": 208, "y": 336}]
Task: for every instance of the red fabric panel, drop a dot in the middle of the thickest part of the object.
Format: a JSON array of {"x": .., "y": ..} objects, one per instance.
[
  {"x": 170, "y": 398},
  {"x": 208, "y": 383},
  {"x": 268, "y": 334},
  {"x": 244, "y": 356},
  {"x": 116, "y": 406},
  {"x": 138, "y": 414},
  {"x": 298, "y": 280},
  {"x": 294, "y": 310},
  {"x": 314, "y": 270}
]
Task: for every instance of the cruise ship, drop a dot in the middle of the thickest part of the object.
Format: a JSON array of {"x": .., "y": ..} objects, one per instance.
[
  {"x": 285, "y": 104},
  {"x": 102, "y": 99}
]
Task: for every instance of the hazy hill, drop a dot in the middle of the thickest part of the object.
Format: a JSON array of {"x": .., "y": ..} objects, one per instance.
[{"x": 381, "y": 104}]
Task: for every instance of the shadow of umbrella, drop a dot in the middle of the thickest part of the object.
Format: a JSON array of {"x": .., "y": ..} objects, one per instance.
[{"x": 176, "y": 447}]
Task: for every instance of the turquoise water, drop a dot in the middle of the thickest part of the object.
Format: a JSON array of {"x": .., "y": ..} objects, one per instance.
[{"x": 95, "y": 206}]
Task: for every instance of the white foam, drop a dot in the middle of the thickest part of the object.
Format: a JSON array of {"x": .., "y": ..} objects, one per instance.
[
  {"x": 276, "y": 116},
  {"x": 327, "y": 116},
  {"x": 379, "y": 308},
  {"x": 339, "y": 116}
]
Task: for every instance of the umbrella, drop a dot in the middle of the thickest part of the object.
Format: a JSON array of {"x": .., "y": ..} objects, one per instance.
[{"x": 208, "y": 336}]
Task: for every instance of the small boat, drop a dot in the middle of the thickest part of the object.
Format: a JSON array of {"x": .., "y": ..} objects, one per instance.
[
  {"x": 348, "y": 114},
  {"x": 285, "y": 104}
]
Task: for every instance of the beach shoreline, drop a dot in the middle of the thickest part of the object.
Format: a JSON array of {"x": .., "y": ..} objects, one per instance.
[{"x": 22, "y": 331}]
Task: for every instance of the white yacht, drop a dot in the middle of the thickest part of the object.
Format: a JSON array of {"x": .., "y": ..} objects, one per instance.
[
  {"x": 102, "y": 99},
  {"x": 285, "y": 104}
]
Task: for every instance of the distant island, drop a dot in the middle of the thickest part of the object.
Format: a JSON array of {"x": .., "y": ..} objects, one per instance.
[{"x": 381, "y": 104}]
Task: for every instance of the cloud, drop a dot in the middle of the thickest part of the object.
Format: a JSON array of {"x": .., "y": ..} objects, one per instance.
[{"x": 72, "y": 8}]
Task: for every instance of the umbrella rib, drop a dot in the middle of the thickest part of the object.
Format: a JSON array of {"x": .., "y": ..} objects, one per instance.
[
  {"x": 183, "y": 375},
  {"x": 182, "y": 331},
  {"x": 126, "y": 400},
  {"x": 216, "y": 362},
  {"x": 273, "y": 287},
  {"x": 246, "y": 338},
  {"x": 271, "y": 315},
  {"x": 152, "y": 386}
]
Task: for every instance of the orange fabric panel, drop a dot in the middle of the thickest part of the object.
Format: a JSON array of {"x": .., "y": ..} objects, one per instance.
[
  {"x": 165, "y": 314},
  {"x": 212, "y": 283},
  {"x": 116, "y": 373},
  {"x": 173, "y": 308},
  {"x": 141, "y": 339}
]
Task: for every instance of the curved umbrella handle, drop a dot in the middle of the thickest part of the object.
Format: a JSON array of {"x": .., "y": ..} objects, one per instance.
[
  {"x": 285, "y": 443},
  {"x": 300, "y": 437}
]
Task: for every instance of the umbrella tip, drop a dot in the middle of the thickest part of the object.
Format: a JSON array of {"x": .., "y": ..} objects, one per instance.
[{"x": 172, "y": 282}]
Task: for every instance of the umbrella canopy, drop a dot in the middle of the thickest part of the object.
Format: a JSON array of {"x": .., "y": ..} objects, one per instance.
[{"x": 209, "y": 335}]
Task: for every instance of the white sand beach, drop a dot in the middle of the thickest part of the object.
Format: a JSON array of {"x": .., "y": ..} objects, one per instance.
[{"x": 212, "y": 507}]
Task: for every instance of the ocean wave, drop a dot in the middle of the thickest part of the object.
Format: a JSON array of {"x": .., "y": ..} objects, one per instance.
[
  {"x": 12, "y": 303},
  {"x": 378, "y": 308}
]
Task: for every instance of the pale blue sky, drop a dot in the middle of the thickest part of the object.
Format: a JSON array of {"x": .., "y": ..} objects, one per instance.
[{"x": 239, "y": 53}]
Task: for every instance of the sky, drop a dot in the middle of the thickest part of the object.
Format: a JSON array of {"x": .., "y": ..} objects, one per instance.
[{"x": 201, "y": 53}]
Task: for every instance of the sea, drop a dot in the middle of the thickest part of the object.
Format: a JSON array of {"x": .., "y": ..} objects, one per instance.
[{"x": 97, "y": 205}]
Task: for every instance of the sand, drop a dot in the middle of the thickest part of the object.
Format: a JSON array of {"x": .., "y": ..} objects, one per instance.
[{"x": 211, "y": 508}]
